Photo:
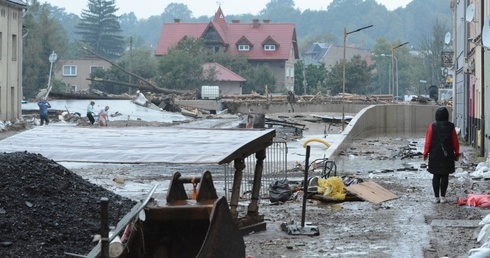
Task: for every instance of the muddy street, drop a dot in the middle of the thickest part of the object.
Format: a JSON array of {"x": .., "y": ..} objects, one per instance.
[{"x": 407, "y": 226}]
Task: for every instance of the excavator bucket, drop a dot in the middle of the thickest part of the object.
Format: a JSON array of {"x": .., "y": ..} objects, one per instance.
[{"x": 183, "y": 227}]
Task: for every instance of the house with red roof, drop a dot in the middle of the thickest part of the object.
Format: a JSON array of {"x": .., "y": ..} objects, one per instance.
[
  {"x": 229, "y": 82},
  {"x": 265, "y": 43}
]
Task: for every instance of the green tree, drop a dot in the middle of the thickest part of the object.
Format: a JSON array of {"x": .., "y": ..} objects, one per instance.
[
  {"x": 112, "y": 74},
  {"x": 281, "y": 11},
  {"x": 100, "y": 28},
  {"x": 139, "y": 62},
  {"x": 431, "y": 47},
  {"x": 181, "y": 67},
  {"x": 257, "y": 78},
  {"x": 315, "y": 78},
  {"x": 381, "y": 55},
  {"x": 76, "y": 50},
  {"x": 44, "y": 35},
  {"x": 357, "y": 77},
  {"x": 177, "y": 11}
]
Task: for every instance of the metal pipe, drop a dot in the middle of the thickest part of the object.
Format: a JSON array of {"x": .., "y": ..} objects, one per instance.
[
  {"x": 104, "y": 226},
  {"x": 305, "y": 185}
]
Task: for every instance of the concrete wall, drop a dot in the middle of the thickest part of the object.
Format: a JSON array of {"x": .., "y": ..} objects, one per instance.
[
  {"x": 264, "y": 108},
  {"x": 386, "y": 120}
]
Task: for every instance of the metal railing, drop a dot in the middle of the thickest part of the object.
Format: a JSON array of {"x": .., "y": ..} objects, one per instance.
[{"x": 275, "y": 168}]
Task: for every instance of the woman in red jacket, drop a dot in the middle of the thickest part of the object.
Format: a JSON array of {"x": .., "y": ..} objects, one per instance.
[{"x": 442, "y": 149}]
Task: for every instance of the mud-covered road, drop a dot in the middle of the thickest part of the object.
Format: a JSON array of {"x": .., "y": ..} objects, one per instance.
[{"x": 408, "y": 226}]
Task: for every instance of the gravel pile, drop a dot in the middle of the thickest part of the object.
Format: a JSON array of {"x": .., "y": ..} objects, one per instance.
[{"x": 47, "y": 210}]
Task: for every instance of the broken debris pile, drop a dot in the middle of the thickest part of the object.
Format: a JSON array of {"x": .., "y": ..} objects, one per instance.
[{"x": 47, "y": 210}]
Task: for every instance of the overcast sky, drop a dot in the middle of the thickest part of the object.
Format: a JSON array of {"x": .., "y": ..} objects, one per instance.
[{"x": 147, "y": 8}]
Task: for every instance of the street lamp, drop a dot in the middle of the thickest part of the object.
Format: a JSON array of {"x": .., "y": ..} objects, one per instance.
[
  {"x": 52, "y": 59},
  {"x": 393, "y": 68},
  {"x": 396, "y": 64},
  {"x": 343, "y": 72}
]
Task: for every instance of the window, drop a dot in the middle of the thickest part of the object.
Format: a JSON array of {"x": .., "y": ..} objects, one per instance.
[
  {"x": 269, "y": 47},
  {"x": 3, "y": 12},
  {"x": 14, "y": 15},
  {"x": 243, "y": 47},
  {"x": 14, "y": 47},
  {"x": 73, "y": 88},
  {"x": 69, "y": 70},
  {"x": 94, "y": 68}
]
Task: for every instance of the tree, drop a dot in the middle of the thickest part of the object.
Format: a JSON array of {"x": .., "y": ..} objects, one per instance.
[
  {"x": 281, "y": 11},
  {"x": 315, "y": 78},
  {"x": 381, "y": 53},
  {"x": 44, "y": 35},
  {"x": 257, "y": 78},
  {"x": 139, "y": 62},
  {"x": 431, "y": 47},
  {"x": 176, "y": 11},
  {"x": 100, "y": 28},
  {"x": 181, "y": 67},
  {"x": 357, "y": 77},
  {"x": 180, "y": 70}
]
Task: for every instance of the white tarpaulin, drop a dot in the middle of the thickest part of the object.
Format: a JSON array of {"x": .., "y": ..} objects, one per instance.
[{"x": 67, "y": 143}]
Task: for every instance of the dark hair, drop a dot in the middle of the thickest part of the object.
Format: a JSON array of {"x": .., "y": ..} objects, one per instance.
[{"x": 442, "y": 114}]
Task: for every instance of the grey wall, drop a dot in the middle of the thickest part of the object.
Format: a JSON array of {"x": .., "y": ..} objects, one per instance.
[{"x": 386, "y": 120}]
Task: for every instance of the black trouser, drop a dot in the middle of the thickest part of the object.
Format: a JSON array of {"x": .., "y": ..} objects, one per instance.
[
  {"x": 440, "y": 182},
  {"x": 91, "y": 118},
  {"x": 43, "y": 119}
]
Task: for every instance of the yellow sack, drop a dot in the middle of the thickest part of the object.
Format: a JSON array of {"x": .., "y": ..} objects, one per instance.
[{"x": 333, "y": 187}]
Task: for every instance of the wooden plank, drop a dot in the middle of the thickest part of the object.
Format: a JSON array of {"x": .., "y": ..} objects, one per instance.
[{"x": 371, "y": 191}]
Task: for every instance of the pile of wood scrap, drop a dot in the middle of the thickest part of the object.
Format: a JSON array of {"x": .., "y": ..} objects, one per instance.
[{"x": 352, "y": 98}]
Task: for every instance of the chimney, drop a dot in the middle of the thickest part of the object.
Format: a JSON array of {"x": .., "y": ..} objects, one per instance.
[
  {"x": 255, "y": 23},
  {"x": 267, "y": 21},
  {"x": 177, "y": 20},
  {"x": 235, "y": 21}
]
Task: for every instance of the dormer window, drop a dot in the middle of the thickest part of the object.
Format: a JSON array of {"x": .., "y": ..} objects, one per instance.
[
  {"x": 269, "y": 47},
  {"x": 243, "y": 47}
]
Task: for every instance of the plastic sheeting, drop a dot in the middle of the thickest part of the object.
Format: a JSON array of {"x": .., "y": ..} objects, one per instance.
[{"x": 138, "y": 144}]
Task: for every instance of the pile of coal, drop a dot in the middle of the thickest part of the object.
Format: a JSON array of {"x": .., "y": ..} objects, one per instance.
[{"x": 46, "y": 210}]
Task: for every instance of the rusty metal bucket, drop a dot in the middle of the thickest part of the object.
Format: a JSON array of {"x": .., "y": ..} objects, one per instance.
[{"x": 183, "y": 227}]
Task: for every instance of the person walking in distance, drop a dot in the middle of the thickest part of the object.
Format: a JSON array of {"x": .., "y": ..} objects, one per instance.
[
  {"x": 442, "y": 149},
  {"x": 43, "y": 111},
  {"x": 104, "y": 116},
  {"x": 90, "y": 112},
  {"x": 291, "y": 100}
]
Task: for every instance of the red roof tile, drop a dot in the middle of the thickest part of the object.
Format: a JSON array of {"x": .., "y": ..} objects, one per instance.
[
  {"x": 282, "y": 33},
  {"x": 223, "y": 73}
]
